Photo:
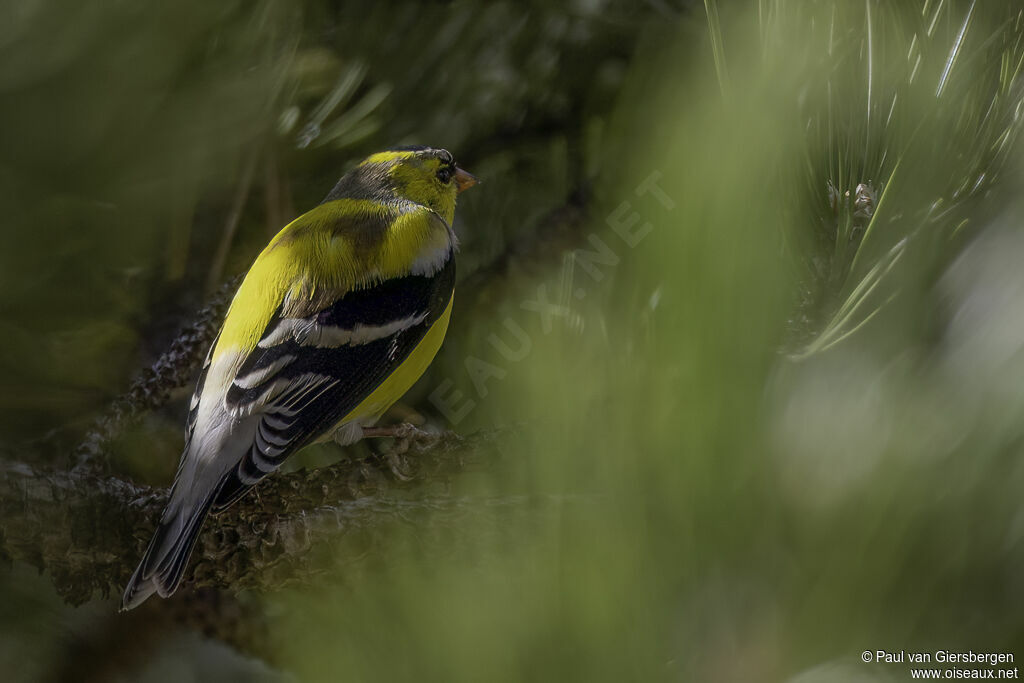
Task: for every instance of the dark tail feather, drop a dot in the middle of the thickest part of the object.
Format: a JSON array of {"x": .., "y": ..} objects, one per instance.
[
  {"x": 230, "y": 492},
  {"x": 167, "y": 556}
]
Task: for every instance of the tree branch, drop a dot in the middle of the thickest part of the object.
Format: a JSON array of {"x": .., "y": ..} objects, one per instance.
[{"x": 87, "y": 530}]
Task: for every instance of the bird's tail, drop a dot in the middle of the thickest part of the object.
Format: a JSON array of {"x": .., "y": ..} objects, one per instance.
[{"x": 162, "y": 566}]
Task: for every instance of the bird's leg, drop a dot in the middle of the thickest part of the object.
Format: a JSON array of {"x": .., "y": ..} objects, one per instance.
[
  {"x": 404, "y": 430},
  {"x": 403, "y": 434}
]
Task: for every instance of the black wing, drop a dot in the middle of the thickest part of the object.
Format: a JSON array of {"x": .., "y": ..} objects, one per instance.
[{"x": 308, "y": 373}]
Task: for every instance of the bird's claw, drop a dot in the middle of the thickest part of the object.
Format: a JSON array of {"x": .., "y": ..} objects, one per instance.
[
  {"x": 394, "y": 463},
  {"x": 407, "y": 437}
]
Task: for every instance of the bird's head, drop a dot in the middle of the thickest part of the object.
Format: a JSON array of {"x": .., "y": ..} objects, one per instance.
[{"x": 424, "y": 175}]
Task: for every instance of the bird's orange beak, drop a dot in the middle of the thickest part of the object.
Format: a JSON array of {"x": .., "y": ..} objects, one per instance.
[{"x": 464, "y": 180}]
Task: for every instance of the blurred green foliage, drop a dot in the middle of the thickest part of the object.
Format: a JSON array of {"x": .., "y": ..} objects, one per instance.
[
  {"x": 706, "y": 493},
  {"x": 778, "y": 427},
  {"x": 115, "y": 117},
  {"x": 149, "y": 154}
]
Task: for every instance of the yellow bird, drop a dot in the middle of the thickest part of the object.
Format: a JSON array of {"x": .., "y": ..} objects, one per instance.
[{"x": 335, "y": 321}]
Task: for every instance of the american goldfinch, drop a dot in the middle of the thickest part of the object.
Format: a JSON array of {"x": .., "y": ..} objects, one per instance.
[{"x": 337, "y": 318}]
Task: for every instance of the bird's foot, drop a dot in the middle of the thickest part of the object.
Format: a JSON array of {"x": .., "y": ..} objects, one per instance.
[
  {"x": 396, "y": 464},
  {"x": 405, "y": 435}
]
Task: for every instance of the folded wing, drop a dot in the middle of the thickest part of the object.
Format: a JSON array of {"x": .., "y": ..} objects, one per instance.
[{"x": 306, "y": 374}]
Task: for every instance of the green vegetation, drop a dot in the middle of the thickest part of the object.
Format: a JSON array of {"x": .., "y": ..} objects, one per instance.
[{"x": 768, "y": 416}]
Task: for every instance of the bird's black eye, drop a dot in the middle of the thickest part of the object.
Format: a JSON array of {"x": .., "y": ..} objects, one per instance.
[{"x": 444, "y": 174}]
